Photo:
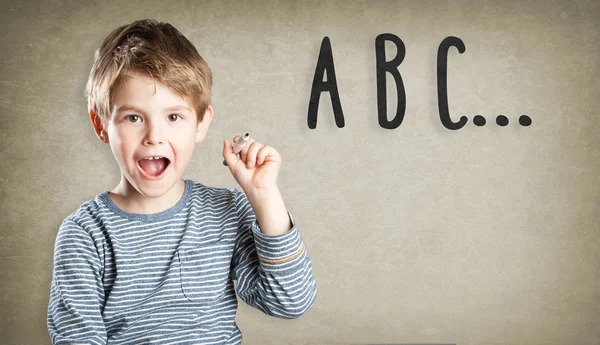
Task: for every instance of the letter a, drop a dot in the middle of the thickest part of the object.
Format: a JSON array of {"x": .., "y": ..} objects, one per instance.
[{"x": 325, "y": 64}]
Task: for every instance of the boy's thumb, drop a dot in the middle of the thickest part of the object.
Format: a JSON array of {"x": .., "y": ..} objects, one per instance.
[{"x": 228, "y": 154}]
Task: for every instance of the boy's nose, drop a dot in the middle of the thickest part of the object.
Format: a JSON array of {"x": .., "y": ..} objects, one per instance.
[{"x": 154, "y": 135}]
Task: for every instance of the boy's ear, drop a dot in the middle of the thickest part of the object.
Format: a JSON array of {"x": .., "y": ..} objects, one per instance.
[
  {"x": 203, "y": 126},
  {"x": 101, "y": 132}
]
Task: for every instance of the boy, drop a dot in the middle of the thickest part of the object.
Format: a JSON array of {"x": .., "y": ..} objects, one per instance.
[{"x": 153, "y": 261}]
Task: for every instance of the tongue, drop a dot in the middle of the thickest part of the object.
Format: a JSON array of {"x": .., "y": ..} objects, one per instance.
[{"x": 153, "y": 167}]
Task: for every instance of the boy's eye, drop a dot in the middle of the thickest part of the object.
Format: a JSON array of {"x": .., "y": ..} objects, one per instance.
[{"x": 135, "y": 117}]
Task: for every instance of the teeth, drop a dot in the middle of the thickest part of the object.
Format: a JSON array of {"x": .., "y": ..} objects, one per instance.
[{"x": 151, "y": 158}]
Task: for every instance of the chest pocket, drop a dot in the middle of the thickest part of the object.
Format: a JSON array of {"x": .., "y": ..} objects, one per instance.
[{"x": 204, "y": 272}]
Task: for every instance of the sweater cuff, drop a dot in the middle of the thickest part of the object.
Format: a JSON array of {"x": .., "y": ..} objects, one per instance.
[{"x": 280, "y": 250}]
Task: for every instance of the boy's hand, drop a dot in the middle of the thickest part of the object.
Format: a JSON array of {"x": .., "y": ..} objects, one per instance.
[
  {"x": 257, "y": 167},
  {"x": 256, "y": 172}
]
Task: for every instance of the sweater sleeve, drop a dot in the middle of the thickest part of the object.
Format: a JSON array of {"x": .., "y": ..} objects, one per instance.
[
  {"x": 76, "y": 292},
  {"x": 273, "y": 273}
]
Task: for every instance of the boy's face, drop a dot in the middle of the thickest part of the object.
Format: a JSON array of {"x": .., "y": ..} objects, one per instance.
[{"x": 148, "y": 122}]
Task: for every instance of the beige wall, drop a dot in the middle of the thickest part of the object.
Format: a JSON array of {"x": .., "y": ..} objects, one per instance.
[{"x": 483, "y": 235}]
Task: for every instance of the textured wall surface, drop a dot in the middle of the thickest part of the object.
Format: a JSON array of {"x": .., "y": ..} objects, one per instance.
[{"x": 419, "y": 234}]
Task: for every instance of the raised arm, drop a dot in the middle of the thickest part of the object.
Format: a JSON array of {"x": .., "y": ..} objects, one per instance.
[{"x": 273, "y": 273}]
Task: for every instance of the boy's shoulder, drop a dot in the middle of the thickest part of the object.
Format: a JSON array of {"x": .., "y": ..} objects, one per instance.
[
  {"x": 99, "y": 207},
  {"x": 200, "y": 188}
]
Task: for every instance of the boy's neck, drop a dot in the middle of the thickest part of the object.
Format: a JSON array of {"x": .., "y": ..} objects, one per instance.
[{"x": 130, "y": 200}]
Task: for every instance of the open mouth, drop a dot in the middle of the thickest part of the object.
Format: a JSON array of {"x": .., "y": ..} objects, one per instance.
[{"x": 153, "y": 167}]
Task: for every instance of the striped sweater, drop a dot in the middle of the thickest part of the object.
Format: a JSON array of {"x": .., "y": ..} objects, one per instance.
[{"x": 168, "y": 277}]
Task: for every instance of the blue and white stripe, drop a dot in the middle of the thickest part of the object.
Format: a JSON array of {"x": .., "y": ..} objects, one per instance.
[{"x": 168, "y": 277}]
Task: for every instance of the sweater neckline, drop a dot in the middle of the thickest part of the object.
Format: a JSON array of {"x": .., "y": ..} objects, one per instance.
[{"x": 151, "y": 217}]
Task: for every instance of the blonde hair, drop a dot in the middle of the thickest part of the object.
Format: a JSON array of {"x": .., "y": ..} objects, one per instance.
[{"x": 157, "y": 49}]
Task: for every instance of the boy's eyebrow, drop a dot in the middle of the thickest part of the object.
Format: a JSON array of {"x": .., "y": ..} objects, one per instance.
[
  {"x": 127, "y": 107},
  {"x": 178, "y": 107}
]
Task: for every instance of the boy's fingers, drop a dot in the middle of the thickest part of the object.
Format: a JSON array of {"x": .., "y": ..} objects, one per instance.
[
  {"x": 244, "y": 150},
  {"x": 251, "y": 154},
  {"x": 262, "y": 154}
]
